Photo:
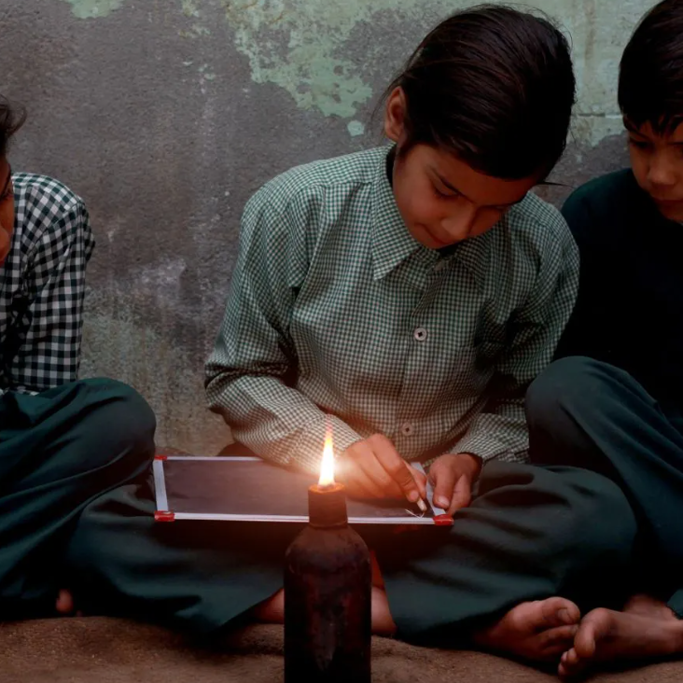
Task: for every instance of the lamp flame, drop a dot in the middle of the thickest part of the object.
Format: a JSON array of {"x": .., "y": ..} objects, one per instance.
[{"x": 327, "y": 464}]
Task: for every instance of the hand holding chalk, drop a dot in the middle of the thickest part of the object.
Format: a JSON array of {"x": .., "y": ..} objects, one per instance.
[{"x": 373, "y": 468}]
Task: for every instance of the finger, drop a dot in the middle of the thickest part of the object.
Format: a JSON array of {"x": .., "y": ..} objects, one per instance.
[
  {"x": 350, "y": 473},
  {"x": 375, "y": 479},
  {"x": 420, "y": 480},
  {"x": 372, "y": 467},
  {"x": 397, "y": 468},
  {"x": 359, "y": 486},
  {"x": 364, "y": 454},
  {"x": 444, "y": 482},
  {"x": 462, "y": 494}
]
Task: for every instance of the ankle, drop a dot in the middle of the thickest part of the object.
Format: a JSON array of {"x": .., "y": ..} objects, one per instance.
[
  {"x": 270, "y": 611},
  {"x": 676, "y": 636},
  {"x": 382, "y": 622}
]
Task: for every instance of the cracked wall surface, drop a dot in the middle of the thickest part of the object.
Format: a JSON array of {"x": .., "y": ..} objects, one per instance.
[{"x": 166, "y": 115}]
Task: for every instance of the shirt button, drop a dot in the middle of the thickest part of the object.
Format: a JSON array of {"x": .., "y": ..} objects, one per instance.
[
  {"x": 407, "y": 429},
  {"x": 420, "y": 334}
]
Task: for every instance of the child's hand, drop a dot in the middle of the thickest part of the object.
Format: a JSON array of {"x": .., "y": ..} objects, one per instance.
[
  {"x": 452, "y": 476},
  {"x": 373, "y": 469}
]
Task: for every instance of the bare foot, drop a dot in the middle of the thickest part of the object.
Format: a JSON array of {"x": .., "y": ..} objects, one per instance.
[
  {"x": 272, "y": 611},
  {"x": 605, "y": 636},
  {"x": 382, "y": 621},
  {"x": 539, "y": 631},
  {"x": 65, "y": 602},
  {"x": 647, "y": 606},
  {"x": 377, "y": 578}
]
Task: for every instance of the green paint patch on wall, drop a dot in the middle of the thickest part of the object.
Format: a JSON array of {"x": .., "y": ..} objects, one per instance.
[
  {"x": 93, "y": 9},
  {"x": 305, "y": 46},
  {"x": 300, "y": 44}
]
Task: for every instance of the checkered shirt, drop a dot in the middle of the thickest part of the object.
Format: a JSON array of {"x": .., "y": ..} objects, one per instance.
[
  {"x": 42, "y": 285},
  {"x": 337, "y": 314}
]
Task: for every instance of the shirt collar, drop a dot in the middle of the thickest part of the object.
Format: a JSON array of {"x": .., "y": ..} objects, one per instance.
[{"x": 391, "y": 242}]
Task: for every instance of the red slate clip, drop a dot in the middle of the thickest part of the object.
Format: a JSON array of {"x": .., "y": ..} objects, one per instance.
[
  {"x": 443, "y": 520},
  {"x": 160, "y": 456},
  {"x": 164, "y": 516}
]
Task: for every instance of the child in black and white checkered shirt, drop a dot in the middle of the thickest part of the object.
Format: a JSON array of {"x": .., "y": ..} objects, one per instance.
[{"x": 62, "y": 441}]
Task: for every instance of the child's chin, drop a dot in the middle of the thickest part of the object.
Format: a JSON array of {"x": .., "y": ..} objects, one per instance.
[{"x": 673, "y": 212}]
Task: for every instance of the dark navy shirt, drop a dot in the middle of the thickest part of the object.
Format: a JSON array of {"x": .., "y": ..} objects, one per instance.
[{"x": 629, "y": 311}]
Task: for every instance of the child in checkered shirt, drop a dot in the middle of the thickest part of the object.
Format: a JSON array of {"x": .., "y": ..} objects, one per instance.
[
  {"x": 62, "y": 441},
  {"x": 406, "y": 295}
]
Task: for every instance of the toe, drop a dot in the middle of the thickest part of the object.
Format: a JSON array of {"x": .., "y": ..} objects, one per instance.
[
  {"x": 595, "y": 626},
  {"x": 570, "y": 664},
  {"x": 572, "y": 657},
  {"x": 560, "y": 635},
  {"x": 562, "y": 670},
  {"x": 557, "y": 641},
  {"x": 65, "y": 602},
  {"x": 559, "y": 611}
]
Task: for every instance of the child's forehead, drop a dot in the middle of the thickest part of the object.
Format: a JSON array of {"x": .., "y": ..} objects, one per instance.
[{"x": 669, "y": 134}]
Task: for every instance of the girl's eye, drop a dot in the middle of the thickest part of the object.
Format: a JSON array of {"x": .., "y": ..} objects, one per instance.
[
  {"x": 450, "y": 195},
  {"x": 638, "y": 144}
]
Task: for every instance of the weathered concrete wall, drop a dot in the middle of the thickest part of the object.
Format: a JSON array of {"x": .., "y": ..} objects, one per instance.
[{"x": 165, "y": 115}]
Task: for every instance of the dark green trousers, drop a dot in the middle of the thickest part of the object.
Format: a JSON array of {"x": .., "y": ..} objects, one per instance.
[
  {"x": 530, "y": 533},
  {"x": 59, "y": 450},
  {"x": 585, "y": 413}
]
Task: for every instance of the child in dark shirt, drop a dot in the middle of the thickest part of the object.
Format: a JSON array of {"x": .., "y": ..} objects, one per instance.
[{"x": 614, "y": 402}]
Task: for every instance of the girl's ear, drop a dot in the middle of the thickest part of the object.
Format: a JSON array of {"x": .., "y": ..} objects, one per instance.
[{"x": 395, "y": 115}]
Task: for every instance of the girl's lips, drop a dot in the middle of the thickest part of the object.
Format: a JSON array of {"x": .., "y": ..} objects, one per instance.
[{"x": 440, "y": 243}]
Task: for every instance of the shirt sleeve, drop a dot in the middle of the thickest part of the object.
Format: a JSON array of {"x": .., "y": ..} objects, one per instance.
[
  {"x": 500, "y": 430},
  {"x": 249, "y": 375},
  {"x": 44, "y": 344}
]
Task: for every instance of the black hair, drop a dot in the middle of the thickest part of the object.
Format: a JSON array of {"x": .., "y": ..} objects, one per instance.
[
  {"x": 651, "y": 71},
  {"x": 495, "y": 86}
]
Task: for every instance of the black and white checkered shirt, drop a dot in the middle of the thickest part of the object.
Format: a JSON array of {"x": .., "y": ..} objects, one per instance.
[{"x": 42, "y": 286}]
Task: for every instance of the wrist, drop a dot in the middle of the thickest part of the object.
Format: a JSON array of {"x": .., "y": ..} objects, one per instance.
[{"x": 472, "y": 462}]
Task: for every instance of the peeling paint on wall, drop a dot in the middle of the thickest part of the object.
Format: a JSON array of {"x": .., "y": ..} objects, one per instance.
[
  {"x": 93, "y": 9},
  {"x": 301, "y": 46},
  {"x": 190, "y": 8},
  {"x": 355, "y": 128}
]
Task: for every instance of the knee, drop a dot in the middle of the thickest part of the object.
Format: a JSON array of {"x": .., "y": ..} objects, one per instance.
[
  {"x": 118, "y": 418},
  {"x": 122, "y": 407},
  {"x": 591, "y": 547},
  {"x": 601, "y": 518},
  {"x": 565, "y": 386}
]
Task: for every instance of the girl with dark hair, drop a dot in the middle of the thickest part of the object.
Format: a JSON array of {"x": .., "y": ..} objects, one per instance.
[
  {"x": 407, "y": 295},
  {"x": 61, "y": 441}
]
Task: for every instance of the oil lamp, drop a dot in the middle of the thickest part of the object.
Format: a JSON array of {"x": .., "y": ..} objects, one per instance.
[{"x": 328, "y": 583}]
